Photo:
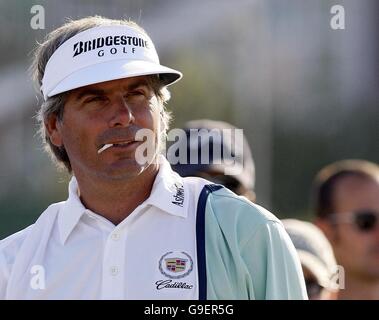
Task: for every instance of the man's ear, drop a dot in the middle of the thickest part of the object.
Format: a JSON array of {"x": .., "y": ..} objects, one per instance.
[
  {"x": 328, "y": 229},
  {"x": 53, "y": 128}
]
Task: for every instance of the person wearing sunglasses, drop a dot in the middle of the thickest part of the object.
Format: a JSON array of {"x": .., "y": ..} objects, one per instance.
[
  {"x": 346, "y": 195},
  {"x": 317, "y": 259}
]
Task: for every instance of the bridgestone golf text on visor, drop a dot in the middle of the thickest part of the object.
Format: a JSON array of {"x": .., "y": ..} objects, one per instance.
[{"x": 102, "y": 54}]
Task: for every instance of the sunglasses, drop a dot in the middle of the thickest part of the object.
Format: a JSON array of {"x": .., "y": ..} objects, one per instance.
[{"x": 363, "y": 220}]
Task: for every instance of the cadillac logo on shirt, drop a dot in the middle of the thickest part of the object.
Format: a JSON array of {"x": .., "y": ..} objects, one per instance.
[{"x": 176, "y": 264}]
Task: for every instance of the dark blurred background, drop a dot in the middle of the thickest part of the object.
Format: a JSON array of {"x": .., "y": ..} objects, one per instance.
[{"x": 305, "y": 94}]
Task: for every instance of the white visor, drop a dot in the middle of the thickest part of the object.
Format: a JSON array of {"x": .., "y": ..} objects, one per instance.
[{"x": 102, "y": 54}]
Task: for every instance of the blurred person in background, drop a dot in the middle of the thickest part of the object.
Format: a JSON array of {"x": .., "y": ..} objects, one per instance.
[
  {"x": 242, "y": 183},
  {"x": 133, "y": 229},
  {"x": 316, "y": 257},
  {"x": 346, "y": 200}
]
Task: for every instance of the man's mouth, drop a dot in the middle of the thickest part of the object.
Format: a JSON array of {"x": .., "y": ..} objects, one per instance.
[{"x": 120, "y": 144}]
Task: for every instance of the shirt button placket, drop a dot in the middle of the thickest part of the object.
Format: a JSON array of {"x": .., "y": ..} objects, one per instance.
[{"x": 113, "y": 266}]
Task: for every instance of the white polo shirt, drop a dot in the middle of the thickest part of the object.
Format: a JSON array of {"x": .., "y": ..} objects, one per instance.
[{"x": 73, "y": 253}]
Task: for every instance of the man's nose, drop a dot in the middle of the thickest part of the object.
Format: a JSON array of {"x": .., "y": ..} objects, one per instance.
[{"x": 122, "y": 114}]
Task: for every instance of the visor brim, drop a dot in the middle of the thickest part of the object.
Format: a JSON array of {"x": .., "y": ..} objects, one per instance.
[{"x": 114, "y": 70}]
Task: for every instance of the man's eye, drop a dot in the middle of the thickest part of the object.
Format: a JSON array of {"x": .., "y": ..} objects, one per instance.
[
  {"x": 95, "y": 99},
  {"x": 135, "y": 93}
]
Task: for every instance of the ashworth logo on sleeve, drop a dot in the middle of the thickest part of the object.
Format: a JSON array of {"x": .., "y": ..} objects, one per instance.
[
  {"x": 175, "y": 265},
  {"x": 109, "y": 41}
]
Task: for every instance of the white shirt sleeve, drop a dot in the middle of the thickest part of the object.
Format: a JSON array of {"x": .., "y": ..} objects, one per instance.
[{"x": 4, "y": 275}]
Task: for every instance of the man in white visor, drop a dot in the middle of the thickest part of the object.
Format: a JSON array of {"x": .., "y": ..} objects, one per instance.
[{"x": 131, "y": 228}]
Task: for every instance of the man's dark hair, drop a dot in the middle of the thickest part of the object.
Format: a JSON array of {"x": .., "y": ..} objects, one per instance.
[{"x": 327, "y": 178}]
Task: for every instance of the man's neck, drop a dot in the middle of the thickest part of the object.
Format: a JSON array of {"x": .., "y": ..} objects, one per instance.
[
  {"x": 356, "y": 289},
  {"x": 115, "y": 200}
]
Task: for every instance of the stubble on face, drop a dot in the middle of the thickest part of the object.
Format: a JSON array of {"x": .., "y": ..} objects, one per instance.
[{"x": 86, "y": 127}]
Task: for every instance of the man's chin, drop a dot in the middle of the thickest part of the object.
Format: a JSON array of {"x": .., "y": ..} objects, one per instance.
[{"x": 124, "y": 169}]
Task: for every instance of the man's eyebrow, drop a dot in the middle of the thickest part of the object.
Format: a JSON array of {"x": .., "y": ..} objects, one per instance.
[
  {"x": 94, "y": 91},
  {"x": 89, "y": 91}
]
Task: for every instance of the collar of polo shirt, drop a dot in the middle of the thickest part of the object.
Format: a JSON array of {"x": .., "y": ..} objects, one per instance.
[
  {"x": 168, "y": 193},
  {"x": 102, "y": 54}
]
